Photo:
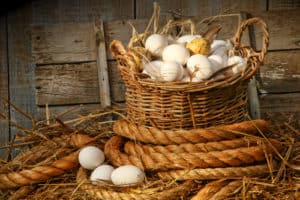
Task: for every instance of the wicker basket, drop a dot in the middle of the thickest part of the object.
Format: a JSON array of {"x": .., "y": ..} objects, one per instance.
[{"x": 181, "y": 105}]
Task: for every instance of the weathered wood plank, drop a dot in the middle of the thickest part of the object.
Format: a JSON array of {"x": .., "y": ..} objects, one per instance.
[
  {"x": 283, "y": 4},
  {"x": 4, "y": 109},
  {"x": 66, "y": 112},
  {"x": 121, "y": 30},
  {"x": 21, "y": 70},
  {"x": 104, "y": 88},
  {"x": 117, "y": 86},
  {"x": 280, "y": 105},
  {"x": 230, "y": 24},
  {"x": 75, "y": 83},
  {"x": 195, "y": 7},
  {"x": 63, "y": 43},
  {"x": 280, "y": 72},
  {"x": 284, "y": 29},
  {"x": 70, "y": 11},
  {"x": 67, "y": 84}
]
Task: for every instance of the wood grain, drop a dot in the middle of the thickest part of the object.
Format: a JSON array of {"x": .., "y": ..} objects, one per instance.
[
  {"x": 104, "y": 88},
  {"x": 66, "y": 112},
  {"x": 67, "y": 84},
  {"x": 121, "y": 30},
  {"x": 117, "y": 86},
  {"x": 70, "y": 11},
  {"x": 21, "y": 69},
  {"x": 280, "y": 72},
  {"x": 63, "y": 43},
  {"x": 229, "y": 22},
  {"x": 75, "y": 84},
  {"x": 195, "y": 7},
  {"x": 284, "y": 29},
  {"x": 283, "y": 4},
  {"x": 282, "y": 107},
  {"x": 4, "y": 108}
]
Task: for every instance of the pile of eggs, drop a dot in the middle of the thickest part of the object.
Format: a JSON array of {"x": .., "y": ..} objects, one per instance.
[
  {"x": 189, "y": 58},
  {"x": 92, "y": 158}
]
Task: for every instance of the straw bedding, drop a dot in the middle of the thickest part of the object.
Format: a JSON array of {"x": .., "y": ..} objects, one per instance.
[{"x": 275, "y": 177}]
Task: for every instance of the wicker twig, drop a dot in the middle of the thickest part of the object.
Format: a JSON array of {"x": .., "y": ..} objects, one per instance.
[
  {"x": 218, "y": 190},
  {"x": 215, "y": 173},
  {"x": 134, "y": 148},
  {"x": 178, "y": 191},
  {"x": 156, "y": 136},
  {"x": 156, "y": 161},
  {"x": 40, "y": 173},
  {"x": 175, "y": 105}
]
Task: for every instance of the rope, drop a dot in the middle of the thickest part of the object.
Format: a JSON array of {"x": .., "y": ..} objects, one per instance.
[
  {"x": 133, "y": 148},
  {"x": 218, "y": 190},
  {"x": 43, "y": 173},
  {"x": 159, "y": 161},
  {"x": 215, "y": 173},
  {"x": 167, "y": 137}
]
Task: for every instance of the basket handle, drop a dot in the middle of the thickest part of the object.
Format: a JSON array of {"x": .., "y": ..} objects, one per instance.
[{"x": 265, "y": 35}]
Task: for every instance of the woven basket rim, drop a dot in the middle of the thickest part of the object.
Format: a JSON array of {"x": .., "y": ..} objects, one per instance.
[
  {"x": 253, "y": 61},
  {"x": 141, "y": 80}
]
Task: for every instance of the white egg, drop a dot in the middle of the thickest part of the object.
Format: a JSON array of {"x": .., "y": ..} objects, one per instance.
[
  {"x": 102, "y": 173},
  {"x": 155, "y": 44},
  {"x": 187, "y": 38},
  {"x": 153, "y": 68},
  {"x": 91, "y": 157},
  {"x": 171, "y": 71},
  {"x": 217, "y": 44},
  {"x": 221, "y": 50},
  {"x": 238, "y": 62},
  {"x": 177, "y": 53},
  {"x": 127, "y": 174},
  {"x": 217, "y": 62},
  {"x": 200, "y": 67},
  {"x": 186, "y": 79}
]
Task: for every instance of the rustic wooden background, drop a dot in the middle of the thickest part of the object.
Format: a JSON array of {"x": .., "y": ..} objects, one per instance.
[{"x": 38, "y": 67}]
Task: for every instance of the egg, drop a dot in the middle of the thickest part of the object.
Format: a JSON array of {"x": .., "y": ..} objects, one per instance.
[
  {"x": 217, "y": 62},
  {"x": 91, "y": 157},
  {"x": 177, "y": 53},
  {"x": 199, "y": 46},
  {"x": 186, "y": 79},
  {"x": 171, "y": 71},
  {"x": 200, "y": 67},
  {"x": 155, "y": 44},
  {"x": 102, "y": 173},
  {"x": 187, "y": 38},
  {"x": 217, "y": 44},
  {"x": 153, "y": 68},
  {"x": 238, "y": 62},
  {"x": 127, "y": 175}
]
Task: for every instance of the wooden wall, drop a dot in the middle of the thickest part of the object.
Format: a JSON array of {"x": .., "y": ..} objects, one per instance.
[{"x": 278, "y": 79}]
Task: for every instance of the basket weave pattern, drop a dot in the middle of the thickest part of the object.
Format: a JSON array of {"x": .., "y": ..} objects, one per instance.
[{"x": 180, "y": 105}]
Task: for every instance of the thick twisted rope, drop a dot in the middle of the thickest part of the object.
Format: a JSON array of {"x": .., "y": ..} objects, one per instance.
[
  {"x": 178, "y": 191},
  {"x": 44, "y": 172},
  {"x": 218, "y": 190},
  {"x": 215, "y": 173},
  {"x": 156, "y": 161},
  {"x": 166, "y": 137},
  {"x": 133, "y": 148}
]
